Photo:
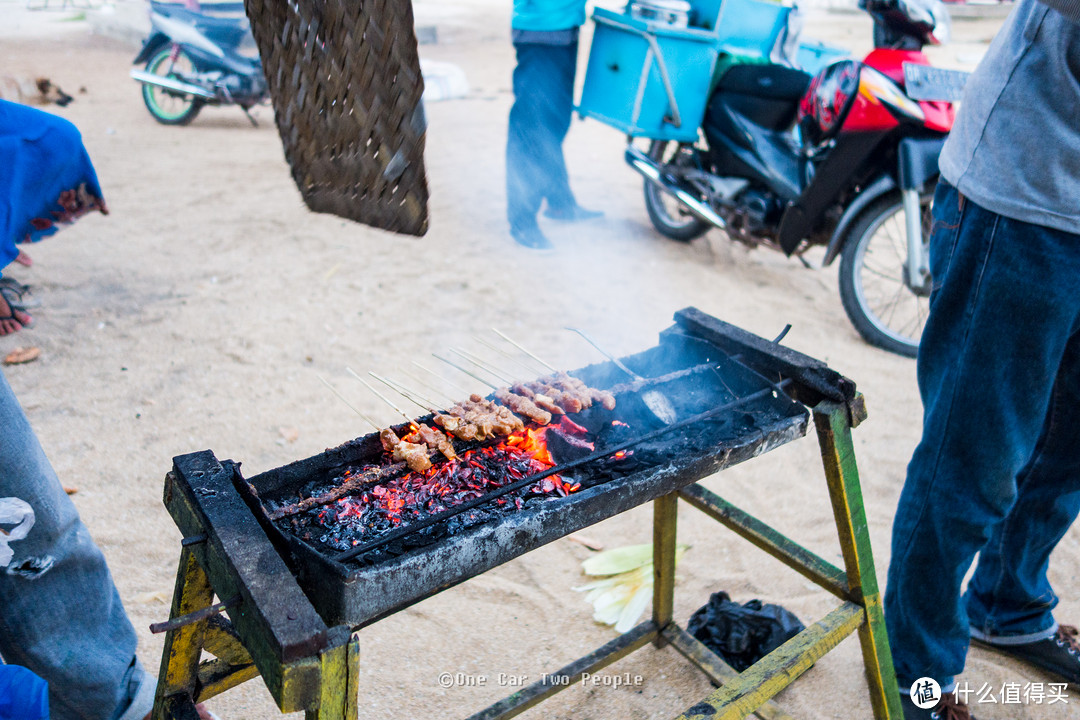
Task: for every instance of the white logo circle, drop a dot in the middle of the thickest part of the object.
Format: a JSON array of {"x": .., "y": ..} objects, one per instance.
[{"x": 925, "y": 693}]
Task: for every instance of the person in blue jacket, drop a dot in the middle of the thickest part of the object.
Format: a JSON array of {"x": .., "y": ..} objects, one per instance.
[{"x": 545, "y": 36}]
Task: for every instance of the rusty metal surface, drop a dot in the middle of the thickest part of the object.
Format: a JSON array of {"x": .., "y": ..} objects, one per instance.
[{"x": 199, "y": 494}]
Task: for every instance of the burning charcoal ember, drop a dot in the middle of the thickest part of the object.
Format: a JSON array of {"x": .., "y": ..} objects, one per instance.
[
  {"x": 396, "y": 501},
  {"x": 349, "y": 482}
]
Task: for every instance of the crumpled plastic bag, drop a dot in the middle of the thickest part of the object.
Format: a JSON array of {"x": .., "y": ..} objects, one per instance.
[
  {"x": 742, "y": 634},
  {"x": 13, "y": 511}
]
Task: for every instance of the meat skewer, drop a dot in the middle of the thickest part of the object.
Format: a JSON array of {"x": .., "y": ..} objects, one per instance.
[
  {"x": 541, "y": 413},
  {"x": 348, "y": 404},
  {"x": 519, "y": 347},
  {"x": 431, "y": 437},
  {"x": 414, "y": 455},
  {"x": 658, "y": 403},
  {"x": 439, "y": 393},
  {"x": 351, "y": 485},
  {"x": 445, "y": 380},
  {"x": 483, "y": 365},
  {"x": 508, "y": 356}
]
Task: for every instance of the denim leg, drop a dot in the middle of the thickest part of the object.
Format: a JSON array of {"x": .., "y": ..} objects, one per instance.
[
  {"x": 60, "y": 614},
  {"x": 1006, "y": 301},
  {"x": 1009, "y": 594},
  {"x": 539, "y": 121}
]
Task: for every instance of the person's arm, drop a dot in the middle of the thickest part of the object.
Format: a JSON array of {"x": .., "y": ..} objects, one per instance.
[{"x": 1069, "y": 8}]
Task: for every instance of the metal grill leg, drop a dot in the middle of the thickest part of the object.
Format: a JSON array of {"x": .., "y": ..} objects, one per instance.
[
  {"x": 834, "y": 436},
  {"x": 665, "y": 522},
  {"x": 179, "y": 674},
  {"x": 340, "y": 678}
]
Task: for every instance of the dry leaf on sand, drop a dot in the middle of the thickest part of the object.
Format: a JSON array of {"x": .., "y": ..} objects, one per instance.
[{"x": 22, "y": 355}]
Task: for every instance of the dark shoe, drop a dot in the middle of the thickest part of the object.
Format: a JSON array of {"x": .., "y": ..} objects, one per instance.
[
  {"x": 531, "y": 237},
  {"x": 947, "y": 708},
  {"x": 1058, "y": 655},
  {"x": 574, "y": 213}
]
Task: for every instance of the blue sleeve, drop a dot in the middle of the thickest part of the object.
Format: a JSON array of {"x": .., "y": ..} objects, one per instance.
[
  {"x": 47, "y": 178},
  {"x": 23, "y": 695}
]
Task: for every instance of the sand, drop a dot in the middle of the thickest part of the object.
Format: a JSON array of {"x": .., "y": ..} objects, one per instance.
[{"x": 200, "y": 313}]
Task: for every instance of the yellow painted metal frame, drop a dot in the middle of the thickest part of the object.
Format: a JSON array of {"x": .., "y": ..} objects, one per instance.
[
  {"x": 750, "y": 692},
  {"x": 325, "y": 686}
]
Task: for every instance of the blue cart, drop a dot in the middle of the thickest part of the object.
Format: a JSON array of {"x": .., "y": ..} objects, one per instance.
[{"x": 651, "y": 79}]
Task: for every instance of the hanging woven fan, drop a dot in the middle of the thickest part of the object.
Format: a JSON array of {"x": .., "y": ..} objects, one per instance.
[{"x": 345, "y": 80}]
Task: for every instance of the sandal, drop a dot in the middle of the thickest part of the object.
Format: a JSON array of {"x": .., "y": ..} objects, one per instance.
[
  {"x": 24, "y": 323},
  {"x": 17, "y": 295}
]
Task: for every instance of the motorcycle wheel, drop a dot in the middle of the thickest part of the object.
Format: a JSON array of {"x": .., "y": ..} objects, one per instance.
[
  {"x": 668, "y": 216},
  {"x": 168, "y": 107},
  {"x": 880, "y": 304}
]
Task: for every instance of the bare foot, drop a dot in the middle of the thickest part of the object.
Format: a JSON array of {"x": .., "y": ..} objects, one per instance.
[
  {"x": 24, "y": 259},
  {"x": 12, "y": 321}
]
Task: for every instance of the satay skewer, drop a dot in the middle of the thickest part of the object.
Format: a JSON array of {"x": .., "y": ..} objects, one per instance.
[
  {"x": 382, "y": 397},
  {"x": 483, "y": 365},
  {"x": 449, "y": 382},
  {"x": 414, "y": 397},
  {"x": 432, "y": 438},
  {"x": 446, "y": 398},
  {"x": 508, "y": 356},
  {"x": 347, "y": 403},
  {"x": 474, "y": 376},
  {"x": 508, "y": 339}
]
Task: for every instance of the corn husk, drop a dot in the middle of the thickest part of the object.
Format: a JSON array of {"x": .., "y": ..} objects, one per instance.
[{"x": 620, "y": 597}]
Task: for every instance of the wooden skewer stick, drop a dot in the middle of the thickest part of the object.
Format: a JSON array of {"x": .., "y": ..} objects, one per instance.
[
  {"x": 482, "y": 365},
  {"x": 451, "y": 383},
  {"x": 415, "y": 399},
  {"x": 446, "y": 396},
  {"x": 508, "y": 356},
  {"x": 453, "y": 364},
  {"x": 382, "y": 397},
  {"x": 515, "y": 344},
  {"x": 349, "y": 404}
]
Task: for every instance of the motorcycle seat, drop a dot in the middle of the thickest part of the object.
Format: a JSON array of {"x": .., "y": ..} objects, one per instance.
[
  {"x": 774, "y": 82},
  {"x": 216, "y": 24}
]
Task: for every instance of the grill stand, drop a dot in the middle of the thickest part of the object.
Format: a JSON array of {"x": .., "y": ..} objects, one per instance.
[
  {"x": 275, "y": 632},
  {"x": 749, "y": 692}
]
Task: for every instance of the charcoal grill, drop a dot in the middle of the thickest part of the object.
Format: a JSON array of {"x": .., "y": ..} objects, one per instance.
[{"x": 294, "y": 598}]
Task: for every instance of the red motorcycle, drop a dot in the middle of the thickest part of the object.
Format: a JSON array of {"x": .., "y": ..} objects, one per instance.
[{"x": 845, "y": 159}]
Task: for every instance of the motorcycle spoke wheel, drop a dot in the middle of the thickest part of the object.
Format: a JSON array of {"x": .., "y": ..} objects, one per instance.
[
  {"x": 168, "y": 107},
  {"x": 878, "y": 301},
  {"x": 667, "y": 214}
]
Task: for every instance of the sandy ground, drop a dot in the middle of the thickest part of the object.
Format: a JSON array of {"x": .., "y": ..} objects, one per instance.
[{"x": 200, "y": 312}]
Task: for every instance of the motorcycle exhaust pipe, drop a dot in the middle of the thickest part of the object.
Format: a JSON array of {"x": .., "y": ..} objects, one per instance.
[
  {"x": 651, "y": 171},
  {"x": 172, "y": 84}
]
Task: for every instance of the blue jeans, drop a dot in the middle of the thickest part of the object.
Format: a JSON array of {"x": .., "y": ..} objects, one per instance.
[
  {"x": 539, "y": 121},
  {"x": 997, "y": 471},
  {"x": 60, "y": 614}
]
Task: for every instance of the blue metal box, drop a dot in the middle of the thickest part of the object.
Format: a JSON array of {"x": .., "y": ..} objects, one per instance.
[{"x": 648, "y": 79}]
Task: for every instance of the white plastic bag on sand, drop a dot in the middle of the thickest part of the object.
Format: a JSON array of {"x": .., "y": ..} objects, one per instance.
[{"x": 13, "y": 511}]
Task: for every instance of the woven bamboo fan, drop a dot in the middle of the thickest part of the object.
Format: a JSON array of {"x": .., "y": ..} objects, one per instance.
[{"x": 344, "y": 76}]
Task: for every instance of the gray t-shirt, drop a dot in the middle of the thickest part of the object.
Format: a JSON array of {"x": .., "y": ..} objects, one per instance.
[{"x": 1015, "y": 147}]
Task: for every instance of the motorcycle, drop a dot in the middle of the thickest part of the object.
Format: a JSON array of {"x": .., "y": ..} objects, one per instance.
[
  {"x": 194, "y": 59},
  {"x": 845, "y": 159}
]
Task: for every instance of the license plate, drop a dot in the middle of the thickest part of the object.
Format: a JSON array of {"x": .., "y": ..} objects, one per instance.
[{"x": 925, "y": 82}]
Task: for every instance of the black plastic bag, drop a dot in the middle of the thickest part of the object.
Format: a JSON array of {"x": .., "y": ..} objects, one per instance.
[{"x": 742, "y": 634}]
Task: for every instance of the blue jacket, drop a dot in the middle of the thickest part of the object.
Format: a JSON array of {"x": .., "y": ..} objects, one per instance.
[{"x": 548, "y": 14}]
